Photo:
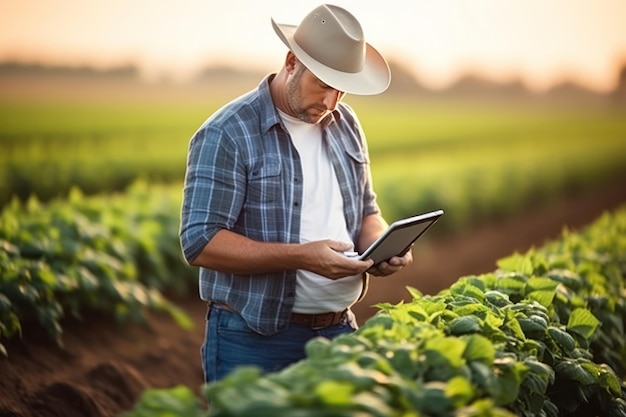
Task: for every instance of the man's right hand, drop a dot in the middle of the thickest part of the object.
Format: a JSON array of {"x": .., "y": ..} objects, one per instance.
[
  {"x": 231, "y": 252},
  {"x": 327, "y": 258}
]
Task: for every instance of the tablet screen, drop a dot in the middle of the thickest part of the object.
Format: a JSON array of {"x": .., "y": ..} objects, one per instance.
[{"x": 400, "y": 236}]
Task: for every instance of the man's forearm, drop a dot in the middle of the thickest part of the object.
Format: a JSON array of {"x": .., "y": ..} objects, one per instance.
[
  {"x": 373, "y": 226},
  {"x": 231, "y": 252},
  {"x": 236, "y": 254}
]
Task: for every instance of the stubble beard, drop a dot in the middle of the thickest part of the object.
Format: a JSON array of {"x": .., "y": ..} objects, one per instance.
[{"x": 295, "y": 99}]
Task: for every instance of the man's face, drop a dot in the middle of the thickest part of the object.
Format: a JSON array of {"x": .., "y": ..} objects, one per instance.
[{"x": 308, "y": 98}]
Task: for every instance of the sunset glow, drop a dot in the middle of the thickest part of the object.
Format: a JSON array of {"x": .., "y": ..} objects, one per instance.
[{"x": 540, "y": 42}]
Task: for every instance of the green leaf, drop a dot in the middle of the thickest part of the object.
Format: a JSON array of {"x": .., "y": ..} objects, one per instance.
[
  {"x": 529, "y": 327},
  {"x": 435, "y": 400},
  {"x": 459, "y": 390},
  {"x": 431, "y": 305},
  {"x": 368, "y": 403},
  {"x": 566, "y": 277},
  {"x": 463, "y": 287},
  {"x": 483, "y": 408},
  {"x": 562, "y": 338},
  {"x": 542, "y": 374},
  {"x": 335, "y": 393},
  {"x": 46, "y": 275},
  {"x": 516, "y": 263},
  {"x": 318, "y": 348},
  {"x": 541, "y": 284},
  {"x": 573, "y": 369},
  {"x": 465, "y": 325},
  {"x": 511, "y": 284},
  {"x": 582, "y": 322},
  {"x": 509, "y": 376},
  {"x": 541, "y": 290},
  {"x": 609, "y": 379},
  {"x": 404, "y": 314},
  {"x": 445, "y": 351},
  {"x": 545, "y": 298},
  {"x": 513, "y": 325},
  {"x": 484, "y": 377},
  {"x": 497, "y": 298},
  {"x": 415, "y": 293},
  {"x": 179, "y": 400},
  {"x": 477, "y": 309},
  {"x": 362, "y": 379},
  {"x": 404, "y": 359},
  {"x": 479, "y": 348}
]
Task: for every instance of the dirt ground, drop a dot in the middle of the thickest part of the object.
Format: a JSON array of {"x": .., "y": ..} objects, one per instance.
[{"x": 103, "y": 367}]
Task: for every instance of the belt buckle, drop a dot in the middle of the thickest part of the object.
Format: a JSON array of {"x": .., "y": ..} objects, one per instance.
[{"x": 315, "y": 325}]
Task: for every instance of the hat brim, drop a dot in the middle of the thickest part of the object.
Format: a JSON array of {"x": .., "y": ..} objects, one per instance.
[{"x": 374, "y": 78}]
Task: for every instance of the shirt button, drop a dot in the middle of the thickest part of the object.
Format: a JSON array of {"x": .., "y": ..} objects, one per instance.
[{"x": 297, "y": 204}]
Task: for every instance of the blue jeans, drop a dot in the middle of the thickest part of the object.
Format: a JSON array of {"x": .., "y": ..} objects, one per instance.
[{"x": 229, "y": 342}]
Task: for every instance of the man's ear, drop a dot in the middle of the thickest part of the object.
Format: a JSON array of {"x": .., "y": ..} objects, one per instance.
[{"x": 290, "y": 62}]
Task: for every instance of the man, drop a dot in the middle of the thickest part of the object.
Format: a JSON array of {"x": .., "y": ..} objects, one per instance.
[{"x": 277, "y": 188}]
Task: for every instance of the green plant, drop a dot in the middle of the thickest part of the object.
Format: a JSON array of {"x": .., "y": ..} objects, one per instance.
[
  {"x": 525, "y": 340},
  {"x": 115, "y": 254},
  {"x": 172, "y": 402}
]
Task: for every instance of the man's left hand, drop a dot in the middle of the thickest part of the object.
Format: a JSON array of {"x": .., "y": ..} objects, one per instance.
[{"x": 391, "y": 266}]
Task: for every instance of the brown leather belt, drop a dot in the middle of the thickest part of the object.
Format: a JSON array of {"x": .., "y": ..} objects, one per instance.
[
  {"x": 314, "y": 321},
  {"x": 318, "y": 321}
]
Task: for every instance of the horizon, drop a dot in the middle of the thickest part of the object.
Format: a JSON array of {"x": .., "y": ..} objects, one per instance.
[
  {"x": 540, "y": 44},
  {"x": 132, "y": 71}
]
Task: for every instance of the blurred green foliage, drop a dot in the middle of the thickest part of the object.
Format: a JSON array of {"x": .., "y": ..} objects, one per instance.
[
  {"x": 114, "y": 253},
  {"x": 47, "y": 149},
  {"x": 480, "y": 160},
  {"x": 476, "y": 160}
]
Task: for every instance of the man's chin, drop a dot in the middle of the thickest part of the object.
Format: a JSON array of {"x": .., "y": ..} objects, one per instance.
[
  {"x": 317, "y": 117},
  {"x": 313, "y": 116}
]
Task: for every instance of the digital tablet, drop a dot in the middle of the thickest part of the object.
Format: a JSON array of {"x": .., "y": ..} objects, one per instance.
[{"x": 400, "y": 236}]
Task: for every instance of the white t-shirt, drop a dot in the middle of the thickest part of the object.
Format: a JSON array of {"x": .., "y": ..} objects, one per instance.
[{"x": 322, "y": 218}]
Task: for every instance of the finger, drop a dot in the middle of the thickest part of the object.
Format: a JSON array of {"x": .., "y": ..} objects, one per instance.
[
  {"x": 340, "y": 246},
  {"x": 395, "y": 261},
  {"x": 401, "y": 261},
  {"x": 385, "y": 268},
  {"x": 375, "y": 270}
]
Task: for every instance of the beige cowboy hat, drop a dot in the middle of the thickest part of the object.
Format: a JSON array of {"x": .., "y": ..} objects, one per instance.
[{"x": 330, "y": 43}]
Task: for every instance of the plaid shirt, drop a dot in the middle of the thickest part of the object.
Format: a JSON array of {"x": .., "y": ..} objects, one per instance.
[{"x": 244, "y": 175}]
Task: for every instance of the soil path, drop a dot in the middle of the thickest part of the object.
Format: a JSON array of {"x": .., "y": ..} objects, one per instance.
[{"x": 103, "y": 367}]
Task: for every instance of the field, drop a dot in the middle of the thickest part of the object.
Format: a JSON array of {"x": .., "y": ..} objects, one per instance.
[
  {"x": 508, "y": 174},
  {"x": 542, "y": 335},
  {"x": 478, "y": 160}
]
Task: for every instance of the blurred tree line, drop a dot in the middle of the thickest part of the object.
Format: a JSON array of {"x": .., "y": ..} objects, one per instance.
[{"x": 404, "y": 83}]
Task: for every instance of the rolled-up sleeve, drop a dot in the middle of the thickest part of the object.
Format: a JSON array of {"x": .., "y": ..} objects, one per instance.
[{"x": 213, "y": 192}]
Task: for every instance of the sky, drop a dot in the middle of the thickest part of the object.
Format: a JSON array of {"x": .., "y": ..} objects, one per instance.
[{"x": 540, "y": 42}]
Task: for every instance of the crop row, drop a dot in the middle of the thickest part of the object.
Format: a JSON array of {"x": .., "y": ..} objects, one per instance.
[
  {"x": 543, "y": 335},
  {"x": 48, "y": 149},
  {"x": 475, "y": 184},
  {"x": 477, "y": 161},
  {"x": 117, "y": 254},
  {"x": 488, "y": 161}
]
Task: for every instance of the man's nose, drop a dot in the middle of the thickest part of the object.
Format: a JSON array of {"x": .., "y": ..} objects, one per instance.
[{"x": 332, "y": 98}]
